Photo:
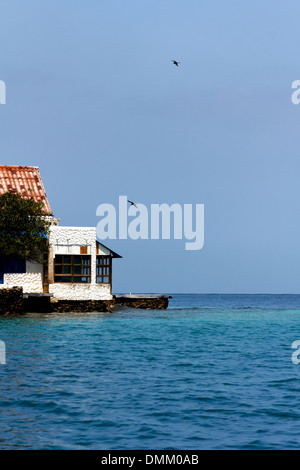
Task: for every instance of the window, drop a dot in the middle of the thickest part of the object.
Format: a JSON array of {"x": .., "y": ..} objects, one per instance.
[
  {"x": 72, "y": 268},
  {"x": 10, "y": 265},
  {"x": 103, "y": 269}
]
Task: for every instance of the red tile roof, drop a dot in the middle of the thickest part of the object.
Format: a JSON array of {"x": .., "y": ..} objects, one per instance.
[{"x": 24, "y": 178}]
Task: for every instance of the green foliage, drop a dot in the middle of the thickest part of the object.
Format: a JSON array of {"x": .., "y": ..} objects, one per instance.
[{"x": 23, "y": 227}]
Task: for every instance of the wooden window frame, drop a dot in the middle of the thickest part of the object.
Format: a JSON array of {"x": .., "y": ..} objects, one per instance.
[
  {"x": 74, "y": 277},
  {"x": 104, "y": 265}
]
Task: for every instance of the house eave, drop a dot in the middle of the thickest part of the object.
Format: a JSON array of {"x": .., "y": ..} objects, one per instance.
[{"x": 113, "y": 253}]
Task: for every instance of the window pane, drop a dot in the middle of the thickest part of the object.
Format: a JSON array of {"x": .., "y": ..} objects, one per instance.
[
  {"x": 82, "y": 279},
  {"x": 63, "y": 279},
  {"x": 73, "y": 268},
  {"x": 102, "y": 280}
]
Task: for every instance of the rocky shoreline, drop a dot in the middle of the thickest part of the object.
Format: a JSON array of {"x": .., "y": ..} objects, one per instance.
[
  {"x": 14, "y": 302},
  {"x": 11, "y": 301}
]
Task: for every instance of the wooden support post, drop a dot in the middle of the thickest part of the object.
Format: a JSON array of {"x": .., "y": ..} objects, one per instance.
[{"x": 50, "y": 266}]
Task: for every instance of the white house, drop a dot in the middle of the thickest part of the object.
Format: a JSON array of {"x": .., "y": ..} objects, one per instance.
[{"x": 79, "y": 266}]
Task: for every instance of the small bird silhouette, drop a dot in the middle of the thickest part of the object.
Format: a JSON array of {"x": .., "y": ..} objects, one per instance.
[
  {"x": 132, "y": 203},
  {"x": 176, "y": 63}
]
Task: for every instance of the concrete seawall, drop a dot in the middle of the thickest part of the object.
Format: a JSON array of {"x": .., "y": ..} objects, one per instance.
[
  {"x": 143, "y": 301},
  {"x": 14, "y": 302}
]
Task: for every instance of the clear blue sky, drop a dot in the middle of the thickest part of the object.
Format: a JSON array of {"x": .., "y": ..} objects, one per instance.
[{"x": 94, "y": 100}]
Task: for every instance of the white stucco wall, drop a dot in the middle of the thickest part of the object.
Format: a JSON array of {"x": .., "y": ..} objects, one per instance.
[
  {"x": 34, "y": 268},
  {"x": 64, "y": 291},
  {"x": 67, "y": 241},
  {"x": 31, "y": 282},
  {"x": 72, "y": 237}
]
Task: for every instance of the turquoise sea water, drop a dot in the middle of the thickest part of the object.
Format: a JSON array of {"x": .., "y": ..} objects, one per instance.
[{"x": 211, "y": 372}]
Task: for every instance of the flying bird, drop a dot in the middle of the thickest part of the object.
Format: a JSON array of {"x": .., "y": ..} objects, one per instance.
[
  {"x": 132, "y": 203},
  {"x": 176, "y": 63}
]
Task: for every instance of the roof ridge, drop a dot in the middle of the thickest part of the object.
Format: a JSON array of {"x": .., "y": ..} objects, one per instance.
[{"x": 19, "y": 166}]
